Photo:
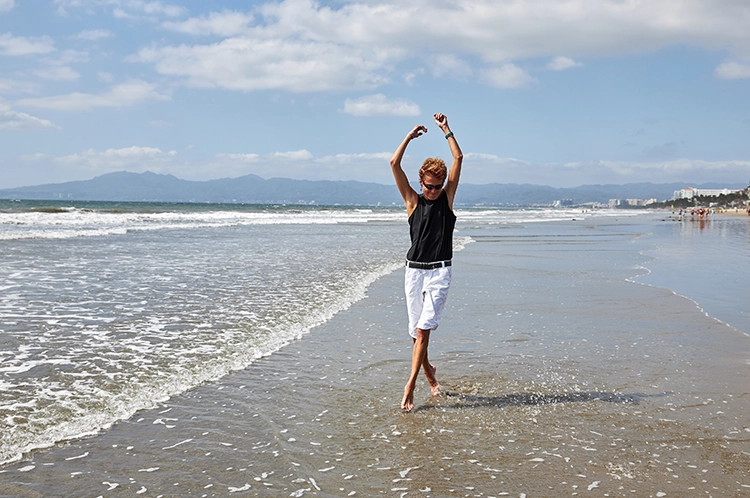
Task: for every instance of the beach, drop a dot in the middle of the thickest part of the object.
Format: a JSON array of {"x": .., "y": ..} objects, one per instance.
[{"x": 569, "y": 365}]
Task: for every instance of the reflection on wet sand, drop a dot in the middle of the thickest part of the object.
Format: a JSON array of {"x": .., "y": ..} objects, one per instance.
[{"x": 466, "y": 401}]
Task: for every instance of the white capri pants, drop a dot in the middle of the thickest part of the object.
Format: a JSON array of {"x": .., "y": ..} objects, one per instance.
[{"x": 426, "y": 292}]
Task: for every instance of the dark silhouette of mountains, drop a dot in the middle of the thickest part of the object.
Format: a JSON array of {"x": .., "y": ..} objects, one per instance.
[{"x": 251, "y": 189}]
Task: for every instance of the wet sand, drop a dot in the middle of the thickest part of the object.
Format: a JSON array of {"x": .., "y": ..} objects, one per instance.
[{"x": 560, "y": 378}]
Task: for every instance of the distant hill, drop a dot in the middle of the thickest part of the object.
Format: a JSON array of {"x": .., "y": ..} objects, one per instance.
[{"x": 251, "y": 189}]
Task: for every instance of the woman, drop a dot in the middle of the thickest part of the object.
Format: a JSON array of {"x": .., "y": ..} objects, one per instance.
[{"x": 428, "y": 265}]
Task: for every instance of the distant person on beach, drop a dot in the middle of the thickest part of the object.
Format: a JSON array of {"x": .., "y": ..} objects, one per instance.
[{"x": 428, "y": 262}]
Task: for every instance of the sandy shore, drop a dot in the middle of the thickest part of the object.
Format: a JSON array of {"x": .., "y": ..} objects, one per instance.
[
  {"x": 560, "y": 378},
  {"x": 732, "y": 212},
  {"x": 724, "y": 212}
]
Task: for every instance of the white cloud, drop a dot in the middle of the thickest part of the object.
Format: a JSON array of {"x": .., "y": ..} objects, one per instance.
[
  {"x": 245, "y": 158},
  {"x": 13, "y": 120},
  {"x": 296, "y": 45},
  {"x": 492, "y": 158},
  {"x": 304, "y": 46},
  {"x": 269, "y": 164},
  {"x": 686, "y": 169},
  {"x": 124, "y": 9},
  {"x": 256, "y": 64},
  {"x": 561, "y": 63},
  {"x": 306, "y": 155},
  {"x": 9, "y": 86},
  {"x": 733, "y": 71},
  {"x": 301, "y": 165},
  {"x": 134, "y": 158},
  {"x": 94, "y": 34},
  {"x": 507, "y": 76},
  {"x": 39, "y": 156},
  {"x": 226, "y": 23},
  {"x": 58, "y": 69},
  {"x": 294, "y": 155},
  {"x": 350, "y": 158},
  {"x": 503, "y": 31},
  {"x": 380, "y": 105},
  {"x": 6, "y": 5},
  {"x": 482, "y": 168},
  {"x": 134, "y": 8},
  {"x": 411, "y": 76},
  {"x": 25, "y": 45},
  {"x": 140, "y": 151},
  {"x": 58, "y": 73},
  {"x": 451, "y": 65},
  {"x": 122, "y": 95},
  {"x": 69, "y": 57},
  {"x": 133, "y": 152}
]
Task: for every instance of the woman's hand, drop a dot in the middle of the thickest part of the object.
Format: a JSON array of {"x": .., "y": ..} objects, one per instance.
[
  {"x": 442, "y": 121},
  {"x": 418, "y": 131}
]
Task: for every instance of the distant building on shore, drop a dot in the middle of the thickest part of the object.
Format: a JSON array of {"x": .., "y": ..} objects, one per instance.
[
  {"x": 562, "y": 203},
  {"x": 690, "y": 192},
  {"x": 618, "y": 203}
]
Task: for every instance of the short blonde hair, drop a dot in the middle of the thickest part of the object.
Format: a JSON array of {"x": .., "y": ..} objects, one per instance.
[{"x": 433, "y": 166}]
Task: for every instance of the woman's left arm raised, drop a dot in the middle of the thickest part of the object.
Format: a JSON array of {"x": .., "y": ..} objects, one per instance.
[{"x": 454, "y": 174}]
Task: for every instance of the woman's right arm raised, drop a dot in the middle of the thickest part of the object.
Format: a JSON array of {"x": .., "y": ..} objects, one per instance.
[{"x": 409, "y": 195}]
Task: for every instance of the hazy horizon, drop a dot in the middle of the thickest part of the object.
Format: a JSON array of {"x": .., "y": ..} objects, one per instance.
[{"x": 686, "y": 184}]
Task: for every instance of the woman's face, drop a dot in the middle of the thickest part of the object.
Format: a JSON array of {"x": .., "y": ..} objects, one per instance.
[{"x": 431, "y": 186}]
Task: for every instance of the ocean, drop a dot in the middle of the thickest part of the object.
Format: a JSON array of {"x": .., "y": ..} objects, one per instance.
[
  {"x": 186, "y": 350},
  {"x": 111, "y": 308}
]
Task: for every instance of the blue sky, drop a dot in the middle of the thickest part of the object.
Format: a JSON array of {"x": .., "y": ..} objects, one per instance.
[{"x": 553, "y": 92}]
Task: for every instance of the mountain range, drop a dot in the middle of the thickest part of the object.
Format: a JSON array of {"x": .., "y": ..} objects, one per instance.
[{"x": 251, "y": 189}]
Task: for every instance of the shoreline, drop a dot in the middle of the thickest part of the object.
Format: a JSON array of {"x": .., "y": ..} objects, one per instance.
[{"x": 733, "y": 213}]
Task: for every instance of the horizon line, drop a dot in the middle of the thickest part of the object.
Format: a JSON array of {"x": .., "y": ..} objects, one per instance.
[{"x": 148, "y": 172}]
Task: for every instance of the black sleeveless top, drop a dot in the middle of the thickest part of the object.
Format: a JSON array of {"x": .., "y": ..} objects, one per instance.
[{"x": 431, "y": 226}]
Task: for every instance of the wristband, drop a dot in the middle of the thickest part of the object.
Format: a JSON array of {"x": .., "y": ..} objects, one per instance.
[{"x": 448, "y": 135}]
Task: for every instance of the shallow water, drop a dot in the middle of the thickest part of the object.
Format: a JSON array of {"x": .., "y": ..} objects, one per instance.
[
  {"x": 561, "y": 377},
  {"x": 148, "y": 305},
  {"x": 706, "y": 261},
  {"x": 109, "y": 308}
]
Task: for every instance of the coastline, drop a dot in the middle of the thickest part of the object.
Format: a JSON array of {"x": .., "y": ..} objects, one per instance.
[
  {"x": 731, "y": 212},
  {"x": 560, "y": 376}
]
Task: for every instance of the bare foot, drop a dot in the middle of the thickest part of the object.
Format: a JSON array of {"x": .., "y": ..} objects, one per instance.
[
  {"x": 407, "y": 404},
  {"x": 430, "y": 374}
]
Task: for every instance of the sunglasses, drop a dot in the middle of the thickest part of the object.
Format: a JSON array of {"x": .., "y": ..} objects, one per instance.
[{"x": 432, "y": 187}]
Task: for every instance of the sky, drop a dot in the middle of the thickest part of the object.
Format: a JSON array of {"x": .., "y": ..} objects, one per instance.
[{"x": 550, "y": 92}]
